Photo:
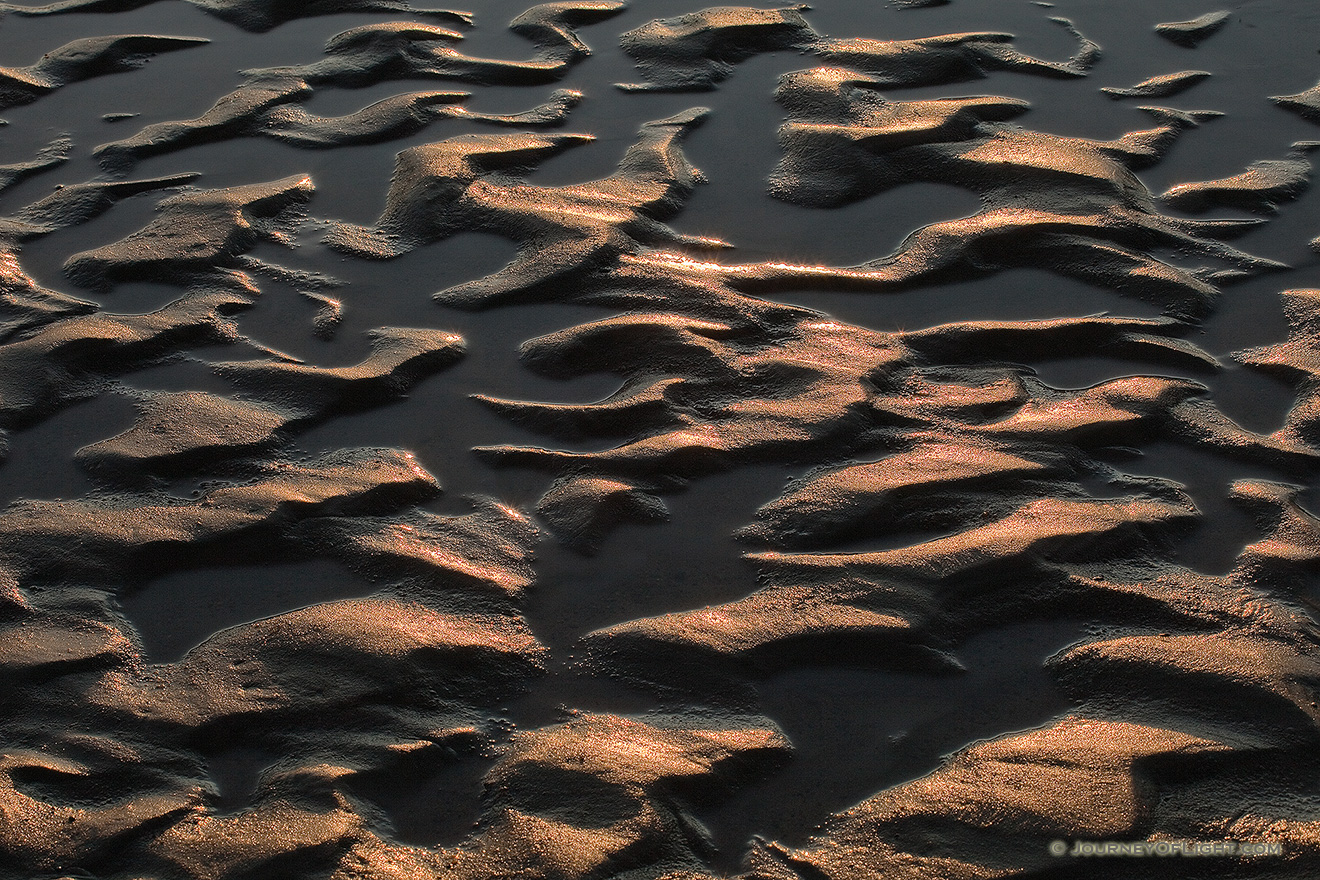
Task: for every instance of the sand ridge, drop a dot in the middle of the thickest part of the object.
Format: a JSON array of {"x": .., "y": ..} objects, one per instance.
[{"x": 457, "y": 704}]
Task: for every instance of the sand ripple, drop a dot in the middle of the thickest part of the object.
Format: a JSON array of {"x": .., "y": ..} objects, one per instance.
[{"x": 393, "y": 719}]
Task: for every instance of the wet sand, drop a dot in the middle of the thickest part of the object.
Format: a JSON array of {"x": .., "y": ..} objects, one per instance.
[{"x": 653, "y": 441}]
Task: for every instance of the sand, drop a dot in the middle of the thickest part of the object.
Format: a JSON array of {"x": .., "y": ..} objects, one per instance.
[{"x": 435, "y": 445}]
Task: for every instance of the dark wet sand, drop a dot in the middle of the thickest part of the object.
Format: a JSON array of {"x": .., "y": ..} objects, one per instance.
[{"x": 647, "y": 441}]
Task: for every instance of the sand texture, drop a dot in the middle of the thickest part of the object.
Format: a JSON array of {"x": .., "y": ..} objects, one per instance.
[{"x": 435, "y": 444}]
